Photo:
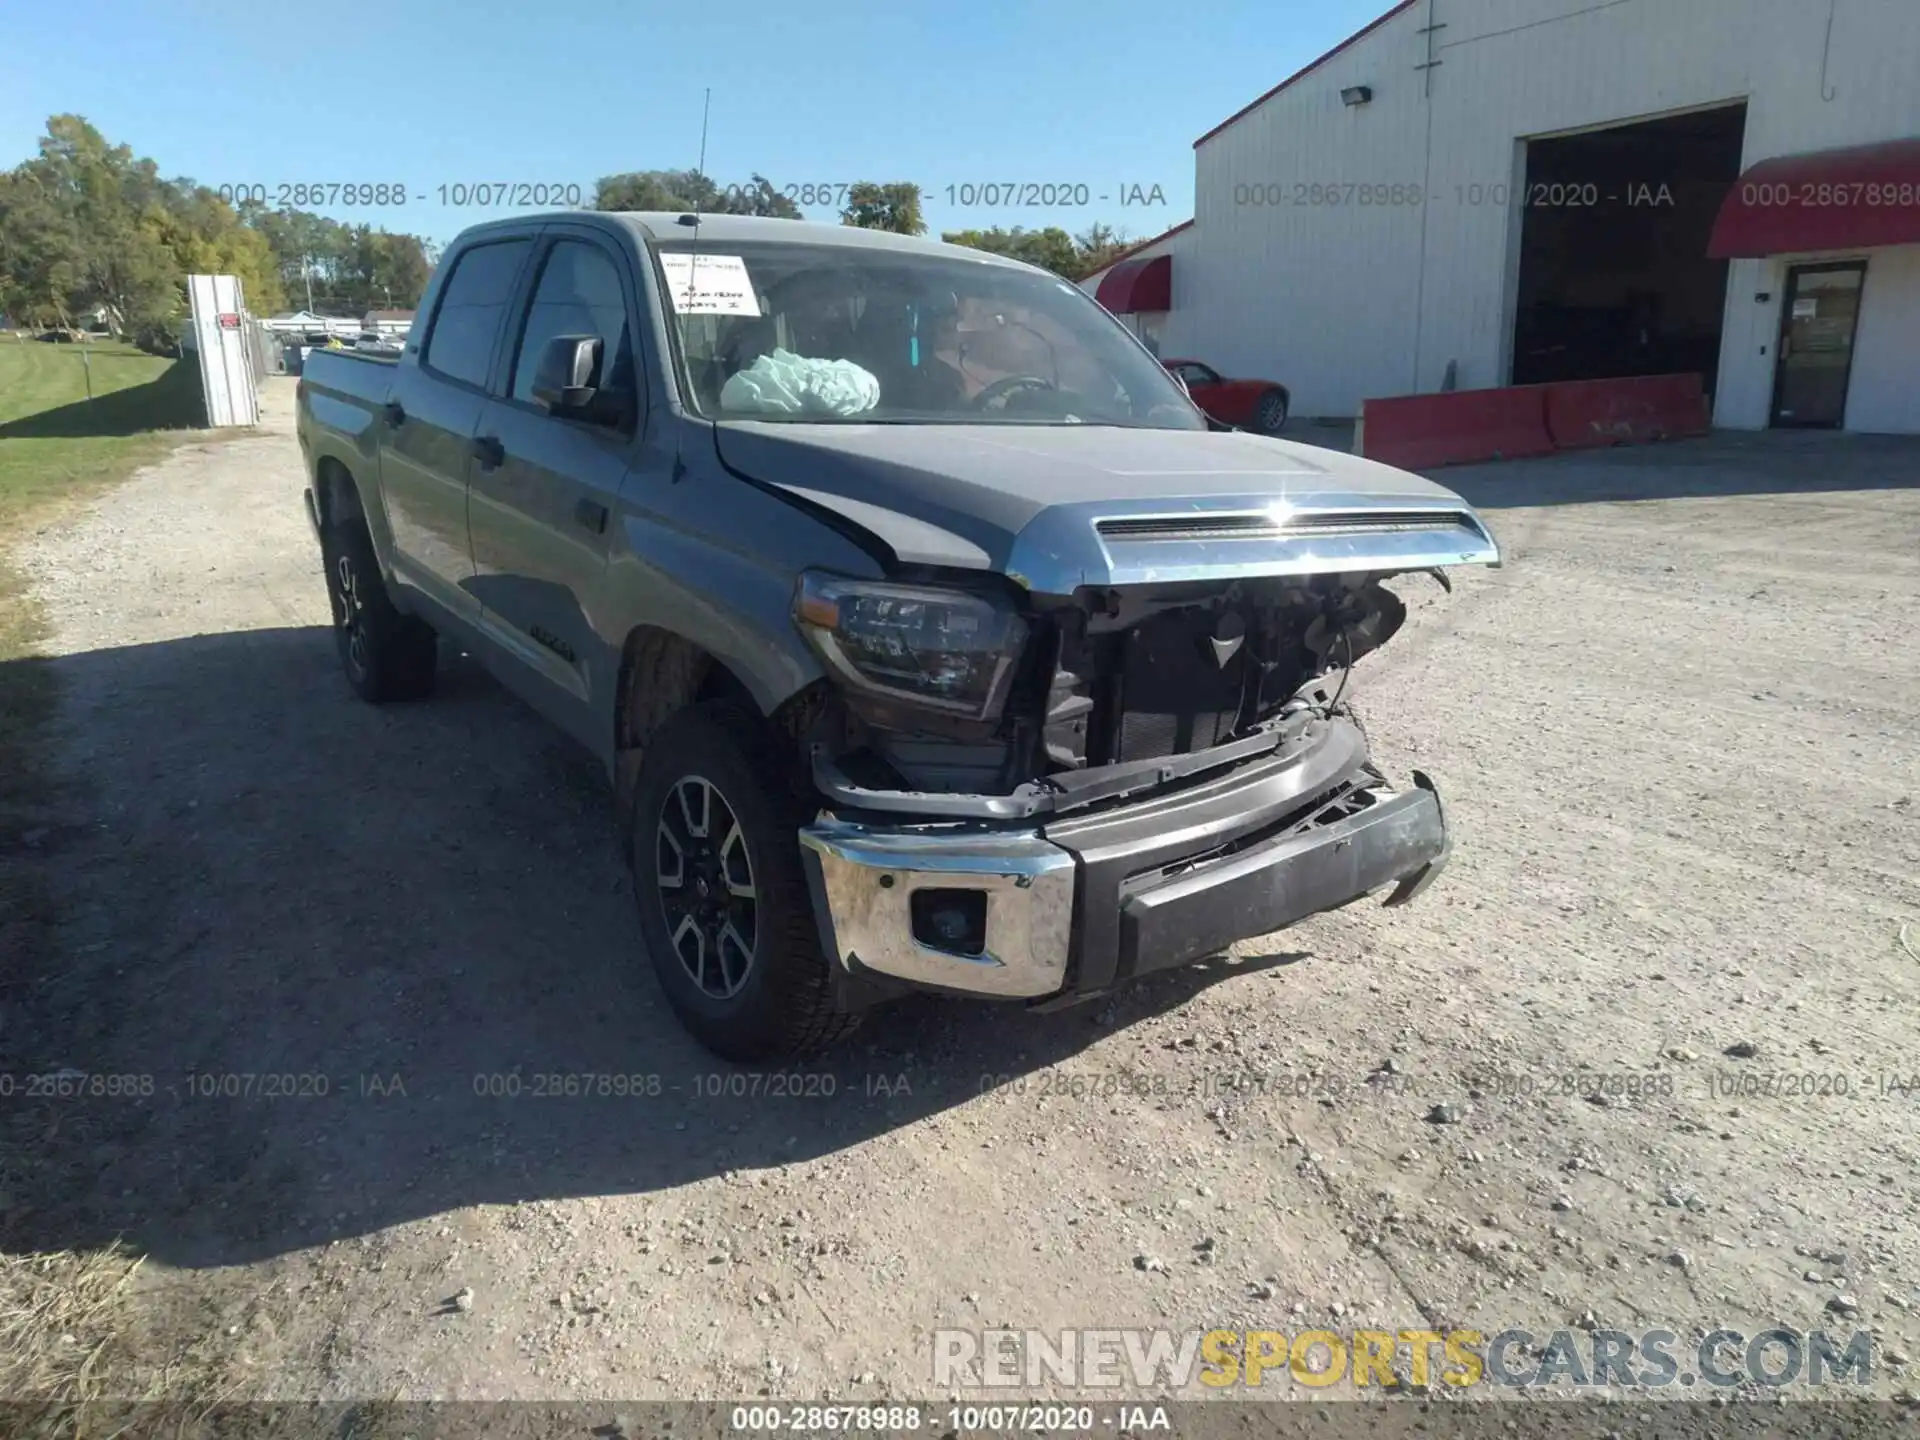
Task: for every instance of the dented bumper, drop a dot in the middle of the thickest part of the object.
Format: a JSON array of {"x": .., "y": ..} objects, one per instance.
[{"x": 1067, "y": 909}]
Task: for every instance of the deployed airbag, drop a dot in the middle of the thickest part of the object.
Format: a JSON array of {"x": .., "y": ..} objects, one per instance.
[{"x": 783, "y": 383}]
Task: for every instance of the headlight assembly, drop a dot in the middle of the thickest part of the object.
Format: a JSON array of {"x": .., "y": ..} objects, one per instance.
[{"x": 946, "y": 650}]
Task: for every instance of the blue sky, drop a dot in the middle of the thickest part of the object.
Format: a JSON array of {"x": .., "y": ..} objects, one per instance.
[{"x": 1110, "y": 94}]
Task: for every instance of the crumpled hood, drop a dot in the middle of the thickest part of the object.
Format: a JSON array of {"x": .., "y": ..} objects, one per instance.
[{"x": 962, "y": 495}]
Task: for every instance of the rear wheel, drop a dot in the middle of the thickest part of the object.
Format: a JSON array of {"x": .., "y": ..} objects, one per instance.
[
  {"x": 387, "y": 655},
  {"x": 1270, "y": 414},
  {"x": 724, "y": 906}
]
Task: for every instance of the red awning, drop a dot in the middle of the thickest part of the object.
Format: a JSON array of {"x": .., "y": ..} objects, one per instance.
[
  {"x": 1826, "y": 200},
  {"x": 1133, "y": 285}
]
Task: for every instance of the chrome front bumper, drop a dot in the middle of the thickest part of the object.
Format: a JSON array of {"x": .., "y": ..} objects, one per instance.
[
  {"x": 868, "y": 875},
  {"x": 1081, "y": 905}
]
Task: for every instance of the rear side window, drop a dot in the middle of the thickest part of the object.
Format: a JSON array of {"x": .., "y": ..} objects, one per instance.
[
  {"x": 460, "y": 346},
  {"x": 579, "y": 294}
]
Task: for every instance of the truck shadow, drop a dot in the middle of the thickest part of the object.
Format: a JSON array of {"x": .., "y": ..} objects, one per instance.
[{"x": 317, "y": 968}]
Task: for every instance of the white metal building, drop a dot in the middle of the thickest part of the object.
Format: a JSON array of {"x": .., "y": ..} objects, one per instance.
[{"x": 1490, "y": 192}]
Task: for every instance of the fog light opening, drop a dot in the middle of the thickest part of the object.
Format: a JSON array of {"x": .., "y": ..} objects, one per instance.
[{"x": 951, "y": 921}]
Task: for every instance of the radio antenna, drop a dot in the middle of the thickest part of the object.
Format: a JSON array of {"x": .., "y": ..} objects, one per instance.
[
  {"x": 706, "y": 109},
  {"x": 693, "y": 219}
]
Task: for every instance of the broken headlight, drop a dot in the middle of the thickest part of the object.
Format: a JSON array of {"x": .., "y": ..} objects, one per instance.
[{"x": 947, "y": 650}]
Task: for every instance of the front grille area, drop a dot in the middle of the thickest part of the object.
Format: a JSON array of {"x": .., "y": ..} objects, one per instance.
[
  {"x": 1182, "y": 680},
  {"x": 1262, "y": 526},
  {"x": 1175, "y": 694}
]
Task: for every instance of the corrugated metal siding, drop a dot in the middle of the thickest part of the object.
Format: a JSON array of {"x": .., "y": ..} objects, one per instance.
[
  {"x": 1343, "y": 301},
  {"x": 1884, "y": 395},
  {"x": 1312, "y": 292}
]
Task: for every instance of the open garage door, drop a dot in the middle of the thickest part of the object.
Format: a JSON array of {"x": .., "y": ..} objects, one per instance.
[{"x": 1614, "y": 274}]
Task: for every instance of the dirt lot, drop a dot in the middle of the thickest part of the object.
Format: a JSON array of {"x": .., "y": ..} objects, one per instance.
[{"x": 1680, "y": 740}]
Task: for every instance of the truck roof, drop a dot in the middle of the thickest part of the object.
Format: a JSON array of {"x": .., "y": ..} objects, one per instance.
[{"x": 665, "y": 226}]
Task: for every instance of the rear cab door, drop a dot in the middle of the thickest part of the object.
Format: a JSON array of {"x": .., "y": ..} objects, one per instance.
[
  {"x": 543, "y": 498},
  {"x": 429, "y": 421}
]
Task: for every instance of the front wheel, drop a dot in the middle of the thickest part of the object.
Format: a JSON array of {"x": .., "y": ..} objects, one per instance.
[{"x": 724, "y": 907}]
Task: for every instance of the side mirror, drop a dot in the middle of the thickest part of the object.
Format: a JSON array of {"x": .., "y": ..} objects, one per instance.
[{"x": 568, "y": 374}]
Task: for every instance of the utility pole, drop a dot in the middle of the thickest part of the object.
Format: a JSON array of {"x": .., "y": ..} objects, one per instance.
[{"x": 306, "y": 273}]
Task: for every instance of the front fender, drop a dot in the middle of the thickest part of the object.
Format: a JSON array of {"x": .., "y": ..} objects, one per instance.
[{"x": 713, "y": 559}]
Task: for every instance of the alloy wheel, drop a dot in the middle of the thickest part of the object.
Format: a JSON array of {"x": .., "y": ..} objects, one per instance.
[
  {"x": 349, "y": 613},
  {"x": 1273, "y": 413},
  {"x": 705, "y": 878}
]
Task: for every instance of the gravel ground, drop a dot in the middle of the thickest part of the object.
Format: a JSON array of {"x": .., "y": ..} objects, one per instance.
[{"x": 1677, "y": 735}]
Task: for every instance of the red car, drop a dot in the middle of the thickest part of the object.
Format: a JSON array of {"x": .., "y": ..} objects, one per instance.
[{"x": 1256, "y": 405}]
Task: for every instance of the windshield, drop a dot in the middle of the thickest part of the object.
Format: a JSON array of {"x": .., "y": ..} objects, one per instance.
[{"x": 822, "y": 334}]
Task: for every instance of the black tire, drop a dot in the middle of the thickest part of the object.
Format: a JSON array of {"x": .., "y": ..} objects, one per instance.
[
  {"x": 1270, "y": 412},
  {"x": 778, "y": 1004},
  {"x": 387, "y": 655}
]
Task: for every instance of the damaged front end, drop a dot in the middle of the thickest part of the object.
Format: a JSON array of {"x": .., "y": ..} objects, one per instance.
[
  {"x": 1114, "y": 694},
  {"x": 1040, "y": 790}
]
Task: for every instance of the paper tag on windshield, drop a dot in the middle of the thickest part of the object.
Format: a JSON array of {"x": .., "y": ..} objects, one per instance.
[{"x": 703, "y": 284}]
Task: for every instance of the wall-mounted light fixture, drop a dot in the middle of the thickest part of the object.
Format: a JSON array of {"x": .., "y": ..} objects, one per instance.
[{"x": 1356, "y": 95}]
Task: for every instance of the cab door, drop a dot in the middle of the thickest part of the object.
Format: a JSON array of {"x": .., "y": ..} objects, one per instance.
[
  {"x": 428, "y": 422},
  {"x": 543, "y": 491}
]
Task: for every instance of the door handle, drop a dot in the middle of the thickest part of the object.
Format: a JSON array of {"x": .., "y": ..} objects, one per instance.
[
  {"x": 395, "y": 413},
  {"x": 488, "y": 450},
  {"x": 593, "y": 515}
]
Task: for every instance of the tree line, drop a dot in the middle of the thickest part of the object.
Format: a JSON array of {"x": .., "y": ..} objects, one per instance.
[
  {"x": 89, "y": 231},
  {"x": 894, "y": 206}
]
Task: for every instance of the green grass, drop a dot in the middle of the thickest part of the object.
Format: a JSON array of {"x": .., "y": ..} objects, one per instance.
[
  {"x": 56, "y": 445},
  {"x": 61, "y": 1315}
]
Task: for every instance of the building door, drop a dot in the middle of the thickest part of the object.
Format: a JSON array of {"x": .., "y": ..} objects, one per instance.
[{"x": 1817, "y": 324}]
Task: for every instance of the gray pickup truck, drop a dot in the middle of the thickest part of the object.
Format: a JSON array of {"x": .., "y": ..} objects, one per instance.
[{"x": 931, "y": 638}]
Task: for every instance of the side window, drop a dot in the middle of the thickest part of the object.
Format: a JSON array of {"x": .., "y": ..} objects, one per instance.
[
  {"x": 579, "y": 294},
  {"x": 460, "y": 345}
]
